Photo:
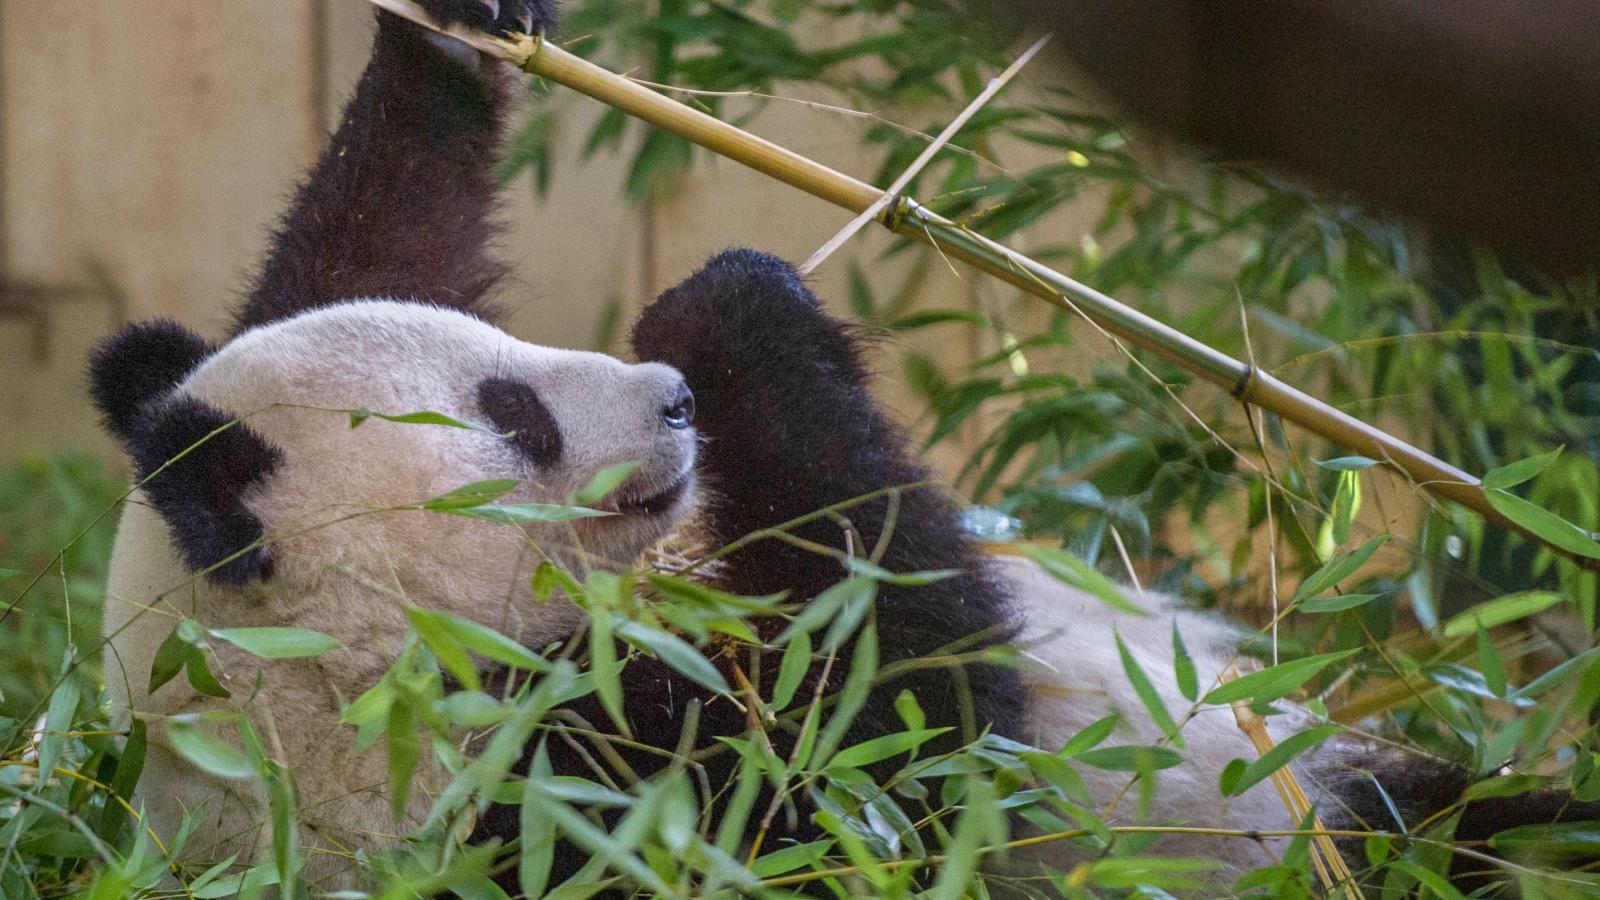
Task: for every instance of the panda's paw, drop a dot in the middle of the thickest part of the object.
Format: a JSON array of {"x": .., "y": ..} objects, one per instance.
[
  {"x": 498, "y": 17},
  {"x": 501, "y": 17}
]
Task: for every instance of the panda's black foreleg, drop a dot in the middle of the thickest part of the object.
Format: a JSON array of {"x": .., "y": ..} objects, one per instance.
[
  {"x": 401, "y": 202},
  {"x": 790, "y": 427}
]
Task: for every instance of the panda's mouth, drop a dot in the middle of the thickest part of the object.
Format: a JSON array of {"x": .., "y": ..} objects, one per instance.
[{"x": 645, "y": 502}]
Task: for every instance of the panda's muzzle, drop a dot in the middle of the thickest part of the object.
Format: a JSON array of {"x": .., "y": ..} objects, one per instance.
[{"x": 640, "y": 503}]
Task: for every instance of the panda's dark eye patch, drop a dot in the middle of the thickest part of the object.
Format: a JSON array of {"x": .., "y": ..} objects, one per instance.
[{"x": 515, "y": 408}]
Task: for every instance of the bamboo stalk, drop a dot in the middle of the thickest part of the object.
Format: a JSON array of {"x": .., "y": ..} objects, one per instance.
[{"x": 908, "y": 218}]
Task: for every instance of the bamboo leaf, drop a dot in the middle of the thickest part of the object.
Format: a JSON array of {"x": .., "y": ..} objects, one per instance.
[
  {"x": 1338, "y": 569},
  {"x": 1490, "y": 663},
  {"x": 1130, "y": 758},
  {"x": 1147, "y": 693},
  {"x": 1336, "y": 603},
  {"x": 433, "y": 629},
  {"x": 1559, "y": 674},
  {"x": 1272, "y": 683},
  {"x": 603, "y": 483},
  {"x": 1236, "y": 781},
  {"x": 1513, "y": 474},
  {"x": 405, "y": 752},
  {"x": 1183, "y": 667},
  {"x": 1093, "y": 735},
  {"x": 860, "y": 592},
  {"x": 1500, "y": 611},
  {"x": 604, "y": 666},
  {"x": 1544, "y": 524},
  {"x": 789, "y": 859},
  {"x": 676, "y": 653},
  {"x": 480, "y": 639},
  {"x": 477, "y": 493},
  {"x": 1079, "y": 574},
  {"x": 208, "y": 752},
  {"x": 796, "y": 663},
  {"x": 538, "y": 834},
  {"x": 359, "y": 417},
  {"x": 278, "y": 643},
  {"x": 868, "y": 752},
  {"x": 1346, "y": 463},
  {"x": 526, "y": 513}
]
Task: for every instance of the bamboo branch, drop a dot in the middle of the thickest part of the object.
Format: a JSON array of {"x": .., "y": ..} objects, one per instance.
[
  {"x": 1244, "y": 381},
  {"x": 996, "y": 84}
]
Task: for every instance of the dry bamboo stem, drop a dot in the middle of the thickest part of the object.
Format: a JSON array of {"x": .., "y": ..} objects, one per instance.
[
  {"x": 1325, "y": 856},
  {"x": 904, "y": 216}
]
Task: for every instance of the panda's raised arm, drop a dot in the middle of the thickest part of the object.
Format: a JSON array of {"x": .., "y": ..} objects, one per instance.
[
  {"x": 790, "y": 427},
  {"x": 401, "y": 203}
]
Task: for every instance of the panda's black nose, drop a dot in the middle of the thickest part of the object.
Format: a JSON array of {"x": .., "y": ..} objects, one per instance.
[{"x": 679, "y": 414}]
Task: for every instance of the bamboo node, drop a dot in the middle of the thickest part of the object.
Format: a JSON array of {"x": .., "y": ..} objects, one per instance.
[
  {"x": 894, "y": 212},
  {"x": 1247, "y": 377}
]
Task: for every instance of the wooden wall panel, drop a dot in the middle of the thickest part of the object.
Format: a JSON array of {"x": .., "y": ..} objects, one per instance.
[
  {"x": 157, "y": 140},
  {"x": 145, "y": 137}
]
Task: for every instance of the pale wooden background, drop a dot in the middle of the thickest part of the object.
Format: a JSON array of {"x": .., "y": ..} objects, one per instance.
[{"x": 147, "y": 145}]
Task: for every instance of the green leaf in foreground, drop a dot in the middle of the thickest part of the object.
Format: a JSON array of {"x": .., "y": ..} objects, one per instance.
[
  {"x": 480, "y": 639},
  {"x": 208, "y": 752},
  {"x": 606, "y": 668},
  {"x": 675, "y": 652},
  {"x": 1513, "y": 474},
  {"x": 1555, "y": 677},
  {"x": 1275, "y": 682},
  {"x": 796, "y": 663},
  {"x": 1564, "y": 843},
  {"x": 526, "y": 513},
  {"x": 879, "y": 748},
  {"x": 1336, "y": 603},
  {"x": 1148, "y": 695},
  {"x": 1338, "y": 569},
  {"x": 1073, "y": 571},
  {"x": 1544, "y": 524},
  {"x": 278, "y": 643},
  {"x": 1239, "y": 775},
  {"x": 1183, "y": 669},
  {"x": 603, "y": 483},
  {"x": 1130, "y": 758},
  {"x": 1499, "y": 611},
  {"x": 475, "y": 494},
  {"x": 359, "y": 417},
  {"x": 1346, "y": 463}
]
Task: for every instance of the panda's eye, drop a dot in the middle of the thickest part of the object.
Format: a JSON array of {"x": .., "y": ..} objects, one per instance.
[{"x": 515, "y": 408}]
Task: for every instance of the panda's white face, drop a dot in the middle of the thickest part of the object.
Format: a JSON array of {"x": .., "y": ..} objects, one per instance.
[
  {"x": 570, "y": 414},
  {"x": 343, "y": 544}
]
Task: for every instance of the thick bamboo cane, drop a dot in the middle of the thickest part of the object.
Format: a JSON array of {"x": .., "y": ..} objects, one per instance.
[{"x": 904, "y": 216}]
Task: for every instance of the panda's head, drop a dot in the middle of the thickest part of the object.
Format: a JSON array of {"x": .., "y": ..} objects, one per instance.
[{"x": 292, "y": 496}]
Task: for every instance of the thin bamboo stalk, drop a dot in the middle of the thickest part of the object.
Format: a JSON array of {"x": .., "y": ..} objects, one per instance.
[{"x": 908, "y": 218}]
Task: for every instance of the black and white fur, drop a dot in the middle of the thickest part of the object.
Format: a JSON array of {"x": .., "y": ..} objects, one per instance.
[{"x": 376, "y": 295}]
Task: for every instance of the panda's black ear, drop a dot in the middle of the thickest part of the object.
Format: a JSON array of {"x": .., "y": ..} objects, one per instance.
[
  {"x": 139, "y": 364},
  {"x": 195, "y": 464}
]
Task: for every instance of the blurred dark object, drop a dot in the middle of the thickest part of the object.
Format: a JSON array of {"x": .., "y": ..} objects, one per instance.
[{"x": 1480, "y": 117}]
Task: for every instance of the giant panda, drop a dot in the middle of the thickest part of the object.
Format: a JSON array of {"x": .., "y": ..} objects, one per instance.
[{"x": 259, "y": 504}]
